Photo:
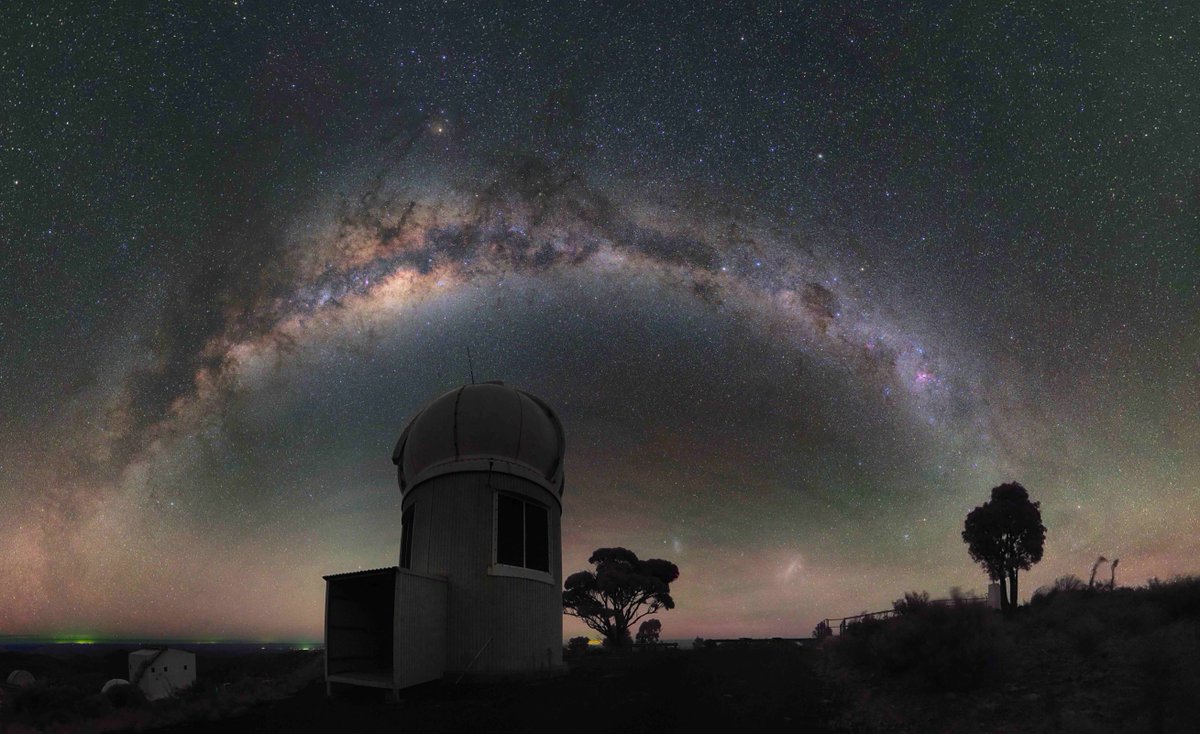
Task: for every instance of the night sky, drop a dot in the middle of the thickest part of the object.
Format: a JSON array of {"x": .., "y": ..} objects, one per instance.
[{"x": 803, "y": 282}]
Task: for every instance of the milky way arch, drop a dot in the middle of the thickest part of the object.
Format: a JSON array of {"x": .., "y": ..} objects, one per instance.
[
  {"x": 528, "y": 218},
  {"x": 374, "y": 258}
]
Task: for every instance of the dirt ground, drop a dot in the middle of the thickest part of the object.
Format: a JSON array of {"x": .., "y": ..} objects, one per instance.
[{"x": 725, "y": 689}]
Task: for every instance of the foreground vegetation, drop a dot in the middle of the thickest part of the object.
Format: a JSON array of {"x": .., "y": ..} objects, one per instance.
[
  {"x": 67, "y": 696},
  {"x": 1074, "y": 660}
]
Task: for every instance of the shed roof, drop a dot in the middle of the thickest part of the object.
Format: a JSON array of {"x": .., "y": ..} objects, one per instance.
[{"x": 367, "y": 572}]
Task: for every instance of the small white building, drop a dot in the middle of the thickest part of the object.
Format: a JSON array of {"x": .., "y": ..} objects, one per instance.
[
  {"x": 162, "y": 673},
  {"x": 479, "y": 585},
  {"x": 993, "y": 598}
]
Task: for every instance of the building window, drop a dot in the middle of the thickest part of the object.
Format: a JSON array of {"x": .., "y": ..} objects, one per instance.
[
  {"x": 522, "y": 533},
  {"x": 164, "y": 668},
  {"x": 185, "y": 667},
  {"x": 406, "y": 537}
]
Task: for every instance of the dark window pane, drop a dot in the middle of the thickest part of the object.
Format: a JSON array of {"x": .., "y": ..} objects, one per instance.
[
  {"x": 537, "y": 538},
  {"x": 510, "y": 531},
  {"x": 406, "y": 537}
]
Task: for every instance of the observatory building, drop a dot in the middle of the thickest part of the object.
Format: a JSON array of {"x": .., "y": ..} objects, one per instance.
[
  {"x": 478, "y": 585},
  {"x": 161, "y": 673}
]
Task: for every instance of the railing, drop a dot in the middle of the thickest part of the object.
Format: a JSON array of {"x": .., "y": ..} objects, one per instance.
[
  {"x": 757, "y": 641},
  {"x": 826, "y": 627},
  {"x": 640, "y": 646}
]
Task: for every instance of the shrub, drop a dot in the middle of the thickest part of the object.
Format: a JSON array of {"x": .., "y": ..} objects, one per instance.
[
  {"x": 861, "y": 644},
  {"x": 946, "y": 647},
  {"x": 577, "y": 645},
  {"x": 1179, "y": 597},
  {"x": 1062, "y": 610},
  {"x": 43, "y": 705},
  {"x": 94, "y": 706},
  {"x": 1170, "y": 675},
  {"x": 125, "y": 696},
  {"x": 1063, "y": 585},
  {"x": 1070, "y": 582},
  {"x": 913, "y": 602}
]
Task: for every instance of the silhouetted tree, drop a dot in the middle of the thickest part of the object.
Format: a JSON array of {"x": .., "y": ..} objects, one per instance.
[
  {"x": 622, "y": 590},
  {"x": 577, "y": 645},
  {"x": 1006, "y": 535},
  {"x": 649, "y": 631}
]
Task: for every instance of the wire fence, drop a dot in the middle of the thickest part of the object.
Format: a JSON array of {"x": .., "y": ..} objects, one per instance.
[{"x": 837, "y": 626}]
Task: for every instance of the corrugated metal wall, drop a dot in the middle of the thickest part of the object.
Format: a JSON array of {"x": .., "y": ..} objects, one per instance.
[
  {"x": 511, "y": 624},
  {"x": 420, "y": 639}
]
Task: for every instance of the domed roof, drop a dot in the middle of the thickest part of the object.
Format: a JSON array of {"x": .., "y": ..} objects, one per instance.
[
  {"x": 113, "y": 683},
  {"x": 489, "y": 421}
]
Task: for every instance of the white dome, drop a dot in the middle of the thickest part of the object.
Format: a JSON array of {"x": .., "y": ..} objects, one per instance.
[
  {"x": 489, "y": 421},
  {"x": 113, "y": 683}
]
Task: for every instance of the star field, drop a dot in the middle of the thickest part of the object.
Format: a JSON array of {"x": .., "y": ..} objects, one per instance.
[{"x": 803, "y": 283}]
